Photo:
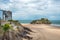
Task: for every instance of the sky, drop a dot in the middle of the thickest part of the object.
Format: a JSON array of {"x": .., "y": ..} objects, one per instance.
[{"x": 32, "y": 9}]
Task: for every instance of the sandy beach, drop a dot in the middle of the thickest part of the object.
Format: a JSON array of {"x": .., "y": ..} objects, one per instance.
[{"x": 43, "y": 32}]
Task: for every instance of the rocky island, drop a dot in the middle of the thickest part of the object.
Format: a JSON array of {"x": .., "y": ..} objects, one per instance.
[{"x": 41, "y": 21}]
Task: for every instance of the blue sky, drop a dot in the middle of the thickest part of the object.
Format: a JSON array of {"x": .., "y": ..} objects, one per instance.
[{"x": 32, "y": 9}]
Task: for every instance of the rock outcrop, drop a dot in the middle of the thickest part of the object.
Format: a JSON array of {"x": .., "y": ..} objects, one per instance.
[
  {"x": 41, "y": 21},
  {"x": 19, "y": 32}
]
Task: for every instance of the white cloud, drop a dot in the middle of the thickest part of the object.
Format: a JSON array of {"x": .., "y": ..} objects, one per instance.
[
  {"x": 3, "y": 6},
  {"x": 20, "y": 15},
  {"x": 39, "y": 4},
  {"x": 32, "y": 7},
  {"x": 53, "y": 17},
  {"x": 11, "y": 0}
]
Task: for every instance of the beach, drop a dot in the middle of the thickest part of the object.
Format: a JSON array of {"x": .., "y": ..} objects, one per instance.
[{"x": 43, "y": 32}]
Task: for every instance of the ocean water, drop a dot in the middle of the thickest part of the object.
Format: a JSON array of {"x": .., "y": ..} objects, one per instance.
[
  {"x": 54, "y": 22},
  {"x": 29, "y": 21},
  {"x": 25, "y": 21}
]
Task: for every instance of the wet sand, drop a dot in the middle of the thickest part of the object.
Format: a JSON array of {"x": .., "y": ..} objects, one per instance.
[{"x": 43, "y": 32}]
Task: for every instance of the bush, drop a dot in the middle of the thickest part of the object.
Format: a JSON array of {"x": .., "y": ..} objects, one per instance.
[{"x": 6, "y": 27}]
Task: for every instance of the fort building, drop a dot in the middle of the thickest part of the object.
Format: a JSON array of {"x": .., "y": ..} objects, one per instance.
[{"x": 6, "y": 15}]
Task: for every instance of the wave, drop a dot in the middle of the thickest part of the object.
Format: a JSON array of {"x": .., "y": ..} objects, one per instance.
[{"x": 55, "y": 25}]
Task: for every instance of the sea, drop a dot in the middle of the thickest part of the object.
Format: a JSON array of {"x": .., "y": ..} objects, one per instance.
[{"x": 54, "y": 22}]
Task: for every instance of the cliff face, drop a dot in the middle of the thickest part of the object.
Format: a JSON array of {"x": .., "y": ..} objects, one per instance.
[
  {"x": 18, "y": 33},
  {"x": 41, "y": 21}
]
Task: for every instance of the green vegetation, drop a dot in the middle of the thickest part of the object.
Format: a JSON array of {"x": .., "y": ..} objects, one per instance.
[
  {"x": 13, "y": 21},
  {"x": 41, "y": 21},
  {"x": 6, "y": 29}
]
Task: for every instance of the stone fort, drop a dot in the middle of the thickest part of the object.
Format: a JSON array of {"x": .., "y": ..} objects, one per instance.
[{"x": 6, "y": 15}]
